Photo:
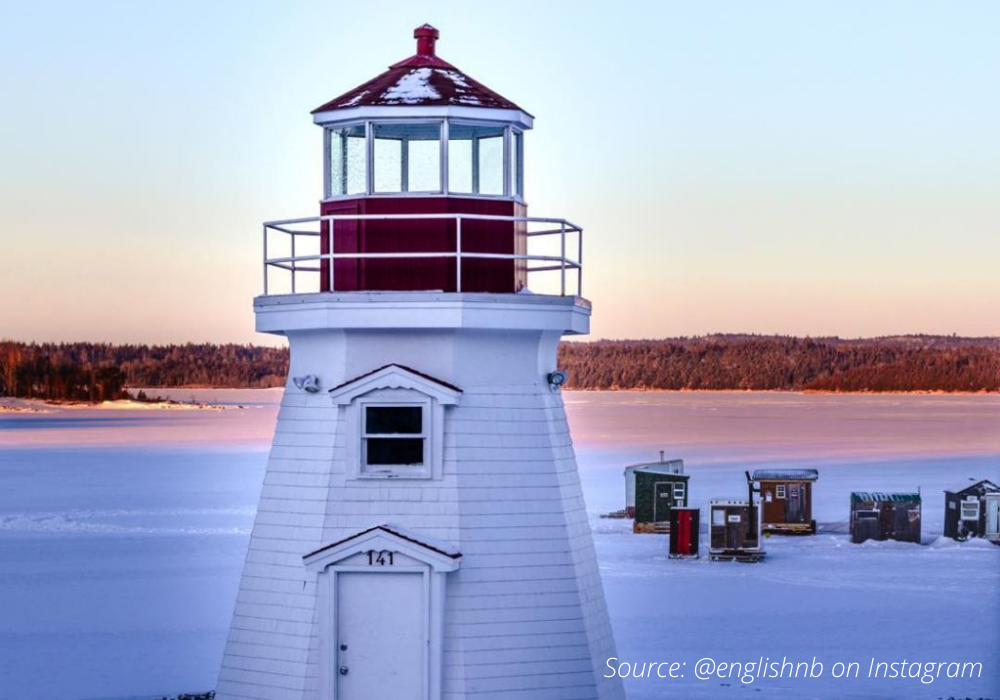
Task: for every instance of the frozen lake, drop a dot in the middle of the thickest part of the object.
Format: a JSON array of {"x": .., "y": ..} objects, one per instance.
[{"x": 123, "y": 533}]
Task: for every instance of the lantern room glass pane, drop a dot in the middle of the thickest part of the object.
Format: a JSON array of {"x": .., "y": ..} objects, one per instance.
[
  {"x": 517, "y": 164},
  {"x": 475, "y": 159},
  {"x": 348, "y": 171},
  {"x": 407, "y": 157}
]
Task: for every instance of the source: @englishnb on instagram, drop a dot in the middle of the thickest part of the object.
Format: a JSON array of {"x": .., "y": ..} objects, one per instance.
[{"x": 747, "y": 672}]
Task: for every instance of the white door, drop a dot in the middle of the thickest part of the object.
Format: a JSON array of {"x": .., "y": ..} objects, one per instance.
[
  {"x": 992, "y": 516},
  {"x": 381, "y": 642}
]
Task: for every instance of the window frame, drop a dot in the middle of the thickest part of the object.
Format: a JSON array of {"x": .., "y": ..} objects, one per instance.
[
  {"x": 678, "y": 491},
  {"x": 424, "y": 435},
  {"x": 512, "y": 177},
  {"x": 962, "y": 510},
  {"x": 780, "y": 491}
]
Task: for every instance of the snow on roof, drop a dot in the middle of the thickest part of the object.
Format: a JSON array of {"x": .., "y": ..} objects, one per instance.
[
  {"x": 670, "y": 466},
  {"x": 784, "y": 475},
  {"x": 877, "y": 497},
  {"x": 980, "y": 488},
  {"x": 420, "y": 80}
]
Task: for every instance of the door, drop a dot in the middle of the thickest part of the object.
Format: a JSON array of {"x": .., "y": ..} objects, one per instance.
[
  {"x": 794, "y": 511},
  {"x": 663, "y": 501},
  {"x": 866, "y": 526},
  {"x": 381, "y": 641},
  {"x": 992, "y": 504}
]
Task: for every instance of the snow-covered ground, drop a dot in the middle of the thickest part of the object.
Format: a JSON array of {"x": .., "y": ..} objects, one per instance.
[{"x": 122, "y": 535}]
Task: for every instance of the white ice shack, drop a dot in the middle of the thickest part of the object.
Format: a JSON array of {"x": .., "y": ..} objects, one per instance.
[{"x": 421, "y": 532}]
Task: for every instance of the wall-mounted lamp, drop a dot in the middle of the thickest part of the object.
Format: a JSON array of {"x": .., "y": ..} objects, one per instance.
[
  {"x": 557, "y": 379},
  {"x": 308, "y": 383}
]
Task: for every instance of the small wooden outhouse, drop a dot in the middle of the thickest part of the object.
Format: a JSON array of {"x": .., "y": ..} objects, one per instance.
[
  {"x": 786, "y": 499},
  {"x": 684, "y": 532},
  {"x": 658, "y": 490},
  {"x": 885, "y": 516},
  {"x": 973, "y": 512},
  {"x": 735, "y": 531}
]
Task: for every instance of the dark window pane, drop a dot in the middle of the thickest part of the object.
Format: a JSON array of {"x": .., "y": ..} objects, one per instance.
[
  {"x": 385, "y": 420},
  {"x": 395, "y": 450}
]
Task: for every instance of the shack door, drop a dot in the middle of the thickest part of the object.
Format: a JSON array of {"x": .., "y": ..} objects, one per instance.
[
  {"x": 992, "y": 516},
  {"x": 663, "y": 501},
  {"x": 866, "y": 526},
  {"x": 381, "y": 640},
  {"x": 736, "y": 527},
  {"x": 794, "y": 509}
]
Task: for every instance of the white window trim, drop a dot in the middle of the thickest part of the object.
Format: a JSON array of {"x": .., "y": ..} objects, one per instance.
[
  {"x": 974, "y": 507},
  {"x": 396, "y": 386},
  {"x": 513, "y": 182},
  {"x": 780, "y": 491},
  {"x": 414, "y": 471},
  {"x": 679, "y": 491}
]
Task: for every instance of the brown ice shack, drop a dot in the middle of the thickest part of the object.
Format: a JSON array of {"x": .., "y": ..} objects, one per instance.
[
  {"x": 786, "y": 500},
  {"x": 885, "y": 516}
]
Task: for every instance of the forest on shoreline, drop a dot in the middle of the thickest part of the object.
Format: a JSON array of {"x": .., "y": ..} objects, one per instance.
[{"x": 100, "y": 371}]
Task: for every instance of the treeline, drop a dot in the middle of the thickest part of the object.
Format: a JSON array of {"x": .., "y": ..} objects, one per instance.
[
  {"x": 778, "y": 363},
  {"x": 101, "y": 372},
  {"x": 98, "y": 372}
]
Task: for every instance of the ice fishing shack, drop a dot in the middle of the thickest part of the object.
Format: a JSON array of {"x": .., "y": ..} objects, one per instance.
[
  {"x": 973, "y": 512},
  {"x": 734, "y": 530},
  {"x": 885, "y": 516},
  {"x": 786, "y": 500},
  {"x": 652, "y": 489}
]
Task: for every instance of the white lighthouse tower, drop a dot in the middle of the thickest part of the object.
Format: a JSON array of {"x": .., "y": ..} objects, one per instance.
[{"x": 421, "y": 533}]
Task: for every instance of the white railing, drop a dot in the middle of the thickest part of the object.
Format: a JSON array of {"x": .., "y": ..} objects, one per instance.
[{"x": 557, "y": 236}]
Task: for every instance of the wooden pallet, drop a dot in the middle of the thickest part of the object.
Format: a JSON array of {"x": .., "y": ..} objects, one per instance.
[
  {"x": 651, "y": 528},
  {"x": 740, "y": 555}
]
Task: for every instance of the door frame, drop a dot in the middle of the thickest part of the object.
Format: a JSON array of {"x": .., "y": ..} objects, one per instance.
[{"x": 413, "y": 554}]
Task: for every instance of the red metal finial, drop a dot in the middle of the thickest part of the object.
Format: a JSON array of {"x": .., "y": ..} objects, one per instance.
[{"x": 425, "y": 35}]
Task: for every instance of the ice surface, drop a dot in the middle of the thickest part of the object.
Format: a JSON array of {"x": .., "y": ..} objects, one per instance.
[{"x": 123, "y": 533}]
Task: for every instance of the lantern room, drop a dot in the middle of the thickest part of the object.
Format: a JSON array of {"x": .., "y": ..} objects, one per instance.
[{"x": 423, "y": 187}]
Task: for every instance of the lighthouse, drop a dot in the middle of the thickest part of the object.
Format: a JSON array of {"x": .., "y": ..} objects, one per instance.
[{"x": 421, "y": 532}]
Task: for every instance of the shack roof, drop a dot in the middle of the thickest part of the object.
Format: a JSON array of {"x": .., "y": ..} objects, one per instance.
[
  {"x": 980, "y": 488},
  {"x": 785, "y": 475},
  {"x": 670, "y": 466},
  {"x": 877, "y": 497}
]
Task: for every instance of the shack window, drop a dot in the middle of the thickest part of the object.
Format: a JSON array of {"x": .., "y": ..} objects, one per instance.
[
  {"x": 679, "y": 492},
  {"x": 970, "y": 510},
  {"x": 394, "y": 438},
  {"x": 780, "y": 490},
  {"x": 718, "y": 516}
]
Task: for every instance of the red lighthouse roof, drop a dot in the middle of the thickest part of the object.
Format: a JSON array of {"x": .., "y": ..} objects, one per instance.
[{"x": 423, "y": 79}]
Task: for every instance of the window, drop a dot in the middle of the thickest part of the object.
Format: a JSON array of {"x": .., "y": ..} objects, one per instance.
[
  {"x": 393, "y": 423},
  {"x": 348, "y": 171},
  {"x": 475, "y": 159},
  {"x": 780, "y": 490},
  {"x": 407, "y": 157},
  {"x": 393, "y": 437},
  {"x": 970, "y": 510},
  {"x": 679, "y": 492},
  {"x": 517, "y": 164}
]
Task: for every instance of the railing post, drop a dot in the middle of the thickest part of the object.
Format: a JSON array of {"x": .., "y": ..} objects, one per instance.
[
  {"x": 458, "y": 254},
  {"x": 265, "y": 259},
  {"x": 562, "y": 258},
  {"x": 330, "y": 252},
  {"x": 293, "y": 262},
  {"x": 579, "y": 262}
]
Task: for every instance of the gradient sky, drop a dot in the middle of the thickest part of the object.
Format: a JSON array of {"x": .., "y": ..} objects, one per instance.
[{"x": 822, "y": 168}]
